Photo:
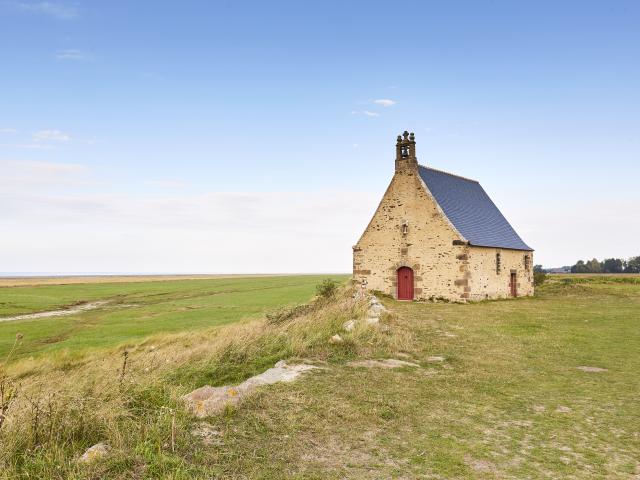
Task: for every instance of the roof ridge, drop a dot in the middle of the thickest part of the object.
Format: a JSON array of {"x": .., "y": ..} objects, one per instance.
[{"x": 449, "y": 173}]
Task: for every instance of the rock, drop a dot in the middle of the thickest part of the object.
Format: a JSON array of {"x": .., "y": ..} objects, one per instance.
[
  {"x": 336, "y": 339},
  {"x": 373, "y": 320},
  {"x": 98, "y": 451},
  {"x": 435, "y": 358},
  {"x": 373, "y": 300},
  {"x": 591, "y": 369},
  {"x": 563, "y": 409},
  {"x": 376, "y": 309},
  {"x": 349, "y": 325},
  {"x": 384, "y": 363},
  {"x": 206, "y": 401}
]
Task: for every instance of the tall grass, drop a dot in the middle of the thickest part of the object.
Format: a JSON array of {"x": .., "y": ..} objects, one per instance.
[{"x": 66, "y": 404}]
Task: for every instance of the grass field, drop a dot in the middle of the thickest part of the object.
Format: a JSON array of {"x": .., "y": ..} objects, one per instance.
[
  {"x": 508, "y": 400},
  {"x": 137, "y": 309}
]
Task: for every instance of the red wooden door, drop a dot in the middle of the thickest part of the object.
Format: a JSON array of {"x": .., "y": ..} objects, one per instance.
[
  {"x": 405, "y": 283},
  {"x": 514, "y": 285}
]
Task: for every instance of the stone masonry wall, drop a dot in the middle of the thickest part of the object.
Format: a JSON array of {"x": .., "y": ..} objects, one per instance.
[
  {"x": 427, "y": 247},
  {"x": 484, "y": 280}
]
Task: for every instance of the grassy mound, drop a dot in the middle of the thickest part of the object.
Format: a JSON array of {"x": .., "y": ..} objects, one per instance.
[{"x": 128, "y": 397}]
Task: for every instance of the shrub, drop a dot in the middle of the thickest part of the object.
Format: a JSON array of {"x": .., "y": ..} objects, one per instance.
[
  {"x": 539, "y": 278},
  {"x": 327, "y": 288}
]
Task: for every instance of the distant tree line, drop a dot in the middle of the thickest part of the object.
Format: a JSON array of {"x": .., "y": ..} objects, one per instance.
[{"x": 608, "y": 265}]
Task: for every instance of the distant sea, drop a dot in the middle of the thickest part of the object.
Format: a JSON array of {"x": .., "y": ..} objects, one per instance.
[{"x": 87, "y": 274}]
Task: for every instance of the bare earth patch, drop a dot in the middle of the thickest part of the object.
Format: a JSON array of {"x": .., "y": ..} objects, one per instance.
[
  {"x": 384, "y": 363},
  {"x": 83, "y": 307},
  {"x": 591, "y": 369}
]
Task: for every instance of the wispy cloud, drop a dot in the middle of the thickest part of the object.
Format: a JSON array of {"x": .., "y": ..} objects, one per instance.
[
  {"x": 371, "y": 114},
  {"x": 49, "y": 136},
  {"x": 73, "y": 55},
  {"x": 8, "y": 131},
  {"x": 385, "y": 102},
  {"x": 51, "y": 9}
]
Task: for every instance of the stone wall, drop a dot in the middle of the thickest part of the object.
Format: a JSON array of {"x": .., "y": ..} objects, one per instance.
[
  {"x": 427, "y": 247},
  {"x": 410, "y": 229},
  {"x": 486, "y": 282}
]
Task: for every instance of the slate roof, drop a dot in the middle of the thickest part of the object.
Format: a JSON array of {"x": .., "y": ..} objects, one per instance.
[{"x": 471, "y": 211}]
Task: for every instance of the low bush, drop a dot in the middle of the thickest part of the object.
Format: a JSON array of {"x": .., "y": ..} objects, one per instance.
[
  {"x": 539, "y": 278},
  {"x": 327, "y": 289}
]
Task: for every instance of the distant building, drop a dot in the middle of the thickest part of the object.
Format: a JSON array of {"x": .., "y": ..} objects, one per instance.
[{"x": 438, "y": 235}]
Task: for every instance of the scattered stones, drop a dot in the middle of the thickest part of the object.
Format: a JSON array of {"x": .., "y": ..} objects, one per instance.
[
  {"x": 208, "y": 434},
  {"x": 206, "y": 401},
  {"x": 373, "y": 320},
  {"x": 563, "y": 409},
  {"x": 591, "y": 369},
  {"x": 349, "y": 325},
  {"x": 98, "y": 451},
  {"x": 384, "y": 363},
  {"x": 539, "y": 408},
  {"x": 336, "y": 339},
  {"x": 435, "y": 358}
]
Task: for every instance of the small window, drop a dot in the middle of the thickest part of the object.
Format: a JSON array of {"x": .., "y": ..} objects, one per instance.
[
  {"x": 498, "y": 266},
  {"x": 527, "y": 262}
]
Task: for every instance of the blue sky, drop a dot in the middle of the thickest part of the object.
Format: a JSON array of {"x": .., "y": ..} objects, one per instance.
[{"x": 205, "y": 136}]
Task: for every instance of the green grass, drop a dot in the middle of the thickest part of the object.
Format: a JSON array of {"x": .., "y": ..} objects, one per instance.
[
  {"x": 140, "y": 309},
  {"x": 508, "y": 402}
]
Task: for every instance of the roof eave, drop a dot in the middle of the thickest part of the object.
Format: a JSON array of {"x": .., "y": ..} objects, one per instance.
[{"x": 528, "y": 249}]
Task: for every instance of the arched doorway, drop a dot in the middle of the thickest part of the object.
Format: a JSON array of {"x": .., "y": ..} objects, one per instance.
[{"x": 405, "y": 283}]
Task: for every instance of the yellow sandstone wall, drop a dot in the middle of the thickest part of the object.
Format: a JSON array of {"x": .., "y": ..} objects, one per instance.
[
  {"x": 485, "y": 282},
  {"x": 441, "y": 269},
  {"x": 426, "y": 248}
]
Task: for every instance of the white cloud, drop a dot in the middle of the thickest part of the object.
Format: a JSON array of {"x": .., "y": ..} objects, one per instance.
[
  {"x": 72, "y": 55},
  {"x": 237, "y": 232},
  {"x": 18, "y": 175},
  {"x": 8, "y": 131},
  {"x": 51, "y": 136},
  {"x": 165, "y": 183},
  {"x": 385, "y": 102},
  {"x": 371, "y": 114},
  {"x": 51, "y": 9}
]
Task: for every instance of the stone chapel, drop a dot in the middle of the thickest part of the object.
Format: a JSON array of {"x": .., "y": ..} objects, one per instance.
[{"x": 436, "y": 235}]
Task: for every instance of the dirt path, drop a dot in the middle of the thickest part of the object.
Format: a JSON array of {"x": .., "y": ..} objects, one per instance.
[{"x": 57, "y": 313}]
